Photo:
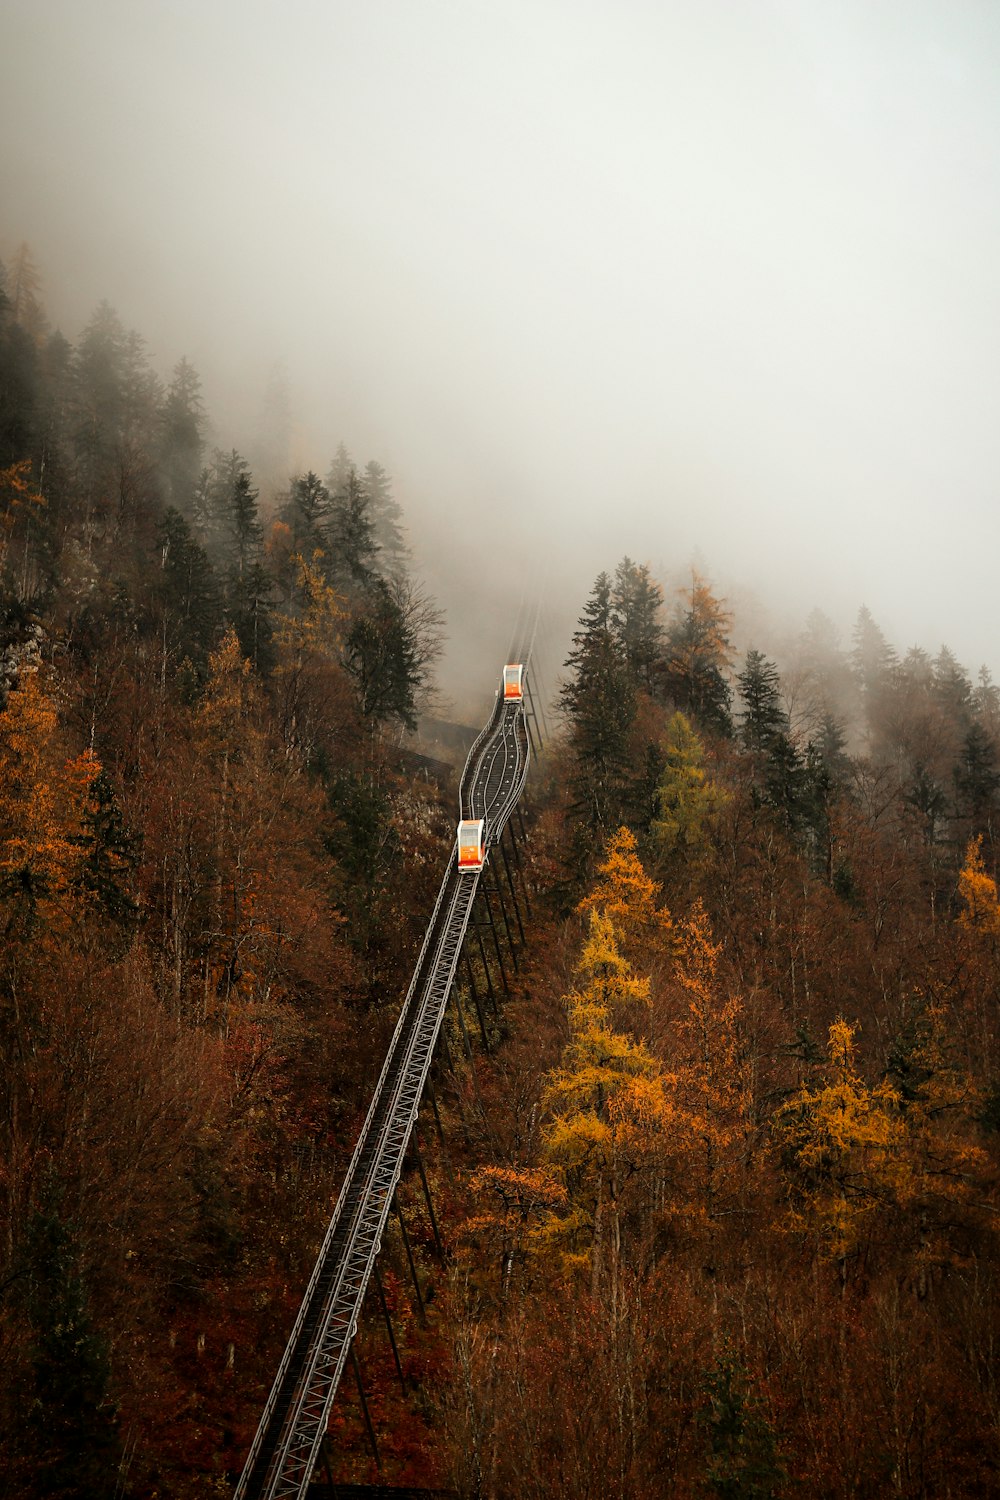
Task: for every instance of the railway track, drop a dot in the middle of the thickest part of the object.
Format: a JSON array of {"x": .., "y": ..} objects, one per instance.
[{"x": 286, "y": 1447}]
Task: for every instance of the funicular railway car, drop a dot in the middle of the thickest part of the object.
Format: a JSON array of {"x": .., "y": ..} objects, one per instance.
[
  {"x": 471, "y": 843},
  {"x": 513, "y": 681}
]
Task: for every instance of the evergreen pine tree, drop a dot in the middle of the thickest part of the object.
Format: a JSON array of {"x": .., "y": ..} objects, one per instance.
[
  {"x": 353, "y": 547},
  {"x": 697, "y": 660},
  {"x": 977, "y": 780},
  {"x": 599, "y": 704},
  {"x": 182, "y": 421},
  {"x": 109, "y": 856},
  {"x": 385, "y": 514},
  {"x": 342, "y": 466},
  {"x": 637, "y": 604},
  {"x": 952, "y": 688},
  {"x": 872, "y": 658},
  {"x": 191, "y": 597},
  {"x": 786, "y": 782},
  {"x": 19, "y": 385},
  {"x": 97, "y": 395},
  {"x": 762, "y": 718},
  {"x": 381, "y": 654},
  {"x": 71, "y": 1420},
  {"x": 743, "y": 1458},
  {"x": 924, "y": 794},
  {"x": 306, "y": 513}
]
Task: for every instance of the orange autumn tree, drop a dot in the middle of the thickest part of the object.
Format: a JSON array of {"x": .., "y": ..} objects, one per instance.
[
  {"x": 514, "y": 1203},
  {"x": 712, "y": 1082},
  {"x": 20, "y": 503},
  {"x": 978, "y": 930},
  {"x": 44, "y": 802},
  {"x": 978, "y": 890}
]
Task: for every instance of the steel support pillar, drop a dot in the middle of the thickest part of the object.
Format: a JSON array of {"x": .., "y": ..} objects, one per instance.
[
  {"x": 513, "y": 893},
  {"x": 506, "y": 920},
  {"x": 389, "y": 1328},
  {"x": 536, "y": 739},
  {"x": 409, "y": 1256},
  {"x": 496, "y": 940},
  {"x": 475, "y": 1000},
  {"x": 519, "y": 862},
  {"x": 415, "y": 1144},
  {"x": 486, "y": 968},
  {"x": 364, "y": 1407}
]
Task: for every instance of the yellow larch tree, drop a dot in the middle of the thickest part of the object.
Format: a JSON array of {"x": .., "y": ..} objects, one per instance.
[
  {"x": 644, "y": 929},
  {"x": 842, "y": 1143},
  {"x": 20, "y": 502},
  {"x": 309, "y": 676},
  {"x": 626, "y": 894},
  {"x": 688, "y": 800},
  {"x": 582, "y": 1139}
]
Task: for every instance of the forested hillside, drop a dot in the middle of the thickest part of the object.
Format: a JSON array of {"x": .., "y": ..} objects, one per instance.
[
  {"x": 737, "y": 1232},
  {"x": 719, "y": 1200},
  {"x": 215, "y": 862}
]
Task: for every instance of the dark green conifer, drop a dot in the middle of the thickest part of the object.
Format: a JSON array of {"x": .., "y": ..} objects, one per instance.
[
  {"x": 977, "y": 780},
  {"x": 386, "y": 515},
  {"x": 743, "y": 1462},
  {"x": 697, "y": 659},
  {"x": 637, "y": 604},
  {"x": 182, "y": 437},
  {"x": 598, "y": 702},
  {"x": 381, "y": 654},
  {"x": 353, "y": 548},
  {"x": 762, "y": 718},
  {"x": 307, "y": 512},
  {"x": 71, "y": 1419},
  {"x": 190, "y": 594},
  {"x": 872, "y": 658},
  {"x": 110, "y": 857}
]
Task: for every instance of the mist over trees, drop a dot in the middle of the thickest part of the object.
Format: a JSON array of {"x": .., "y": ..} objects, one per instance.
[
  {"x": 719, "y": 1195},
  {"x": 738, "y": 1234},
  {"x": 204, "y": 799}
]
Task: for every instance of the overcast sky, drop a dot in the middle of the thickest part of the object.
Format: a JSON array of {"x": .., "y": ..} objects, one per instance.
[{"x": 701, "y": 279}]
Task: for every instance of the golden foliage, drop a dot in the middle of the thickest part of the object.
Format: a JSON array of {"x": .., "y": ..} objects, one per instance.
[
  {"x": 842, "y": 1143},
  {"x": 978, "y": 891},
  {"x": 43, "y": 802},
  {"x": 315, "y": 627},
  {"x": 514, "y": 1200},
  {"x": 18, "y": 495},
  {"x": 626, "y": 894},
  {"x": 610, "y": 978}
]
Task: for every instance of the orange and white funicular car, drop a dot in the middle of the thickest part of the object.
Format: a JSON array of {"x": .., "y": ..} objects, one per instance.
[
  {"x": 513, "y": 681},
  {"x": 471, "y": 843}
]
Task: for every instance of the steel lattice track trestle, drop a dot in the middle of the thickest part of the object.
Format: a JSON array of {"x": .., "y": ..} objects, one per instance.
[{"x": 286, "y": 1446}]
